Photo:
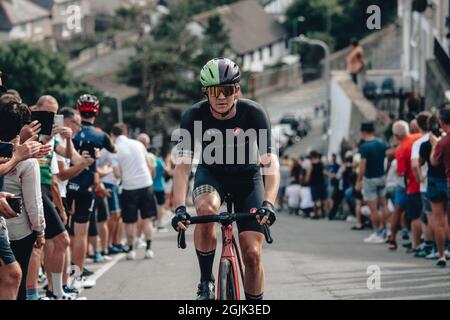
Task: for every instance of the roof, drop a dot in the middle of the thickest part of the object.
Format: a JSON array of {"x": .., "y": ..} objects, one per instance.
[
  {"x": 250, "y": 27},
  {"x": 47, "y": 4},
  {"x": 16, "y": 12}
]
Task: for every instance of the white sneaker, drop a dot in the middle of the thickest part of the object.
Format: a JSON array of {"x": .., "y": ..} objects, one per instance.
[
  {"x": 447, "y": 254},
  {"x": 149, "y": 254},
  {"x": 373, "y": 238},
  {"x": 140, "y": 244},
  {"x": 83, "y": 283},
  {"x": 433, "y": 255},
  {"x": 351, "y": 219},
  {"x": 131, "y": 255}
]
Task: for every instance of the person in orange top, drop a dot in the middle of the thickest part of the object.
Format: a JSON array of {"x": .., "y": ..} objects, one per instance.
[{"x": 408, "y": 186}]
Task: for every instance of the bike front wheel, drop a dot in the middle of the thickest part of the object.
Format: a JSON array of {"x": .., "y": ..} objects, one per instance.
[{"x": 227, "y": 282}]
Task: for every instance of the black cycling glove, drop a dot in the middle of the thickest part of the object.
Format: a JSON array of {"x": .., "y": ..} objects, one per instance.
[
  {"x": 181, "y": 215},
  {"x": 267, "y": 209}
]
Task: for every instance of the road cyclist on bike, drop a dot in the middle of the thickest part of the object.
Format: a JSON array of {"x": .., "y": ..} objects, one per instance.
[{"x": 237, "y": 158}]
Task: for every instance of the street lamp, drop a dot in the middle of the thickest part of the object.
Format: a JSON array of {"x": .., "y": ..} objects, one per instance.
[
  {"x": 303, "y": 39},
  {"x": 119, "y": 106},
  {"x": 295, "y": 25}
]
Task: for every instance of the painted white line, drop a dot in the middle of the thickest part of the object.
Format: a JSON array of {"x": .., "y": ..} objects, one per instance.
[{"x": 104, "y": 269}]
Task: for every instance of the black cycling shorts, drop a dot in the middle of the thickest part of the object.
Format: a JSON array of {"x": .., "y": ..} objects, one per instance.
[
  {"x": 53, "y": 223},
  {"x": 93, "y": 230},
  {"x": 102, "y": 209},
  {"x": 246, "y": 189},
  {"x": 69, "y": 225},
  {"x": 84, "y": 205},
  {"x": 142, "y": 200}
]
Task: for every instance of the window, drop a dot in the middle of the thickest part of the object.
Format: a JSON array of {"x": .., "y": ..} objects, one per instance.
[
  {"x": 270, "y": 51},
  {"x": 37, "y": 27}
]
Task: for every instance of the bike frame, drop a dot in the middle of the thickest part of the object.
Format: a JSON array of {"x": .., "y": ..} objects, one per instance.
[{"x": 229, "y": 247}]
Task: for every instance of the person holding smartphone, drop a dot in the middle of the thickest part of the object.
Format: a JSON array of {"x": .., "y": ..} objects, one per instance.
[
  {"x": 57, "y": 238},
  {"x": 26, "y": 229}
]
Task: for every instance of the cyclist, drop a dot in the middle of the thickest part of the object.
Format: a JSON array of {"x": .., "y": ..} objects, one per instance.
[
  {"x": 224, "y": 113},
  {"x": 81, "y": 189}
]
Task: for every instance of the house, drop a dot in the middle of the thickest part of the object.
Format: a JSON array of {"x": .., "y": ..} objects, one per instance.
[
  {"x": 426, "y": 52},
  {"x": 69, "y": 17},
  {"x": 277, "y": 8},
  {"x": 22, "y": 19},
  {"x": 256, "y": 39}
]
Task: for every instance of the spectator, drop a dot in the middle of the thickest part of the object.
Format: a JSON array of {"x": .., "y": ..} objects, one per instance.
[
  {"x": 420, "y": 170},
  {"x": 333, "y": 192},
  {"x": 408, "y": 190},
  {"x": 112, "y": 185},
  {"x": 10, "y": 272},
  {"x": 440, "y": 154},
  {"x": 316, "y": 178},
  {"x": 355, "y": 61},
  {"x": 285, "y": 172},
  {"x": 137, "y": 188},
  {"x": 158, "y": 187},
  {"x": 372, "y": 181},
  {"x": 27, "y": 229},
  {"x": 72, "y": 120},
  {"x": 293, "y": 196}
]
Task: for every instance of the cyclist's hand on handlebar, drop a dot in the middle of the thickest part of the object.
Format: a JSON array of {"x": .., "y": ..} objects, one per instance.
[
  {"x": 181, "y": 220},
  {"x": 266, "y": 214}
]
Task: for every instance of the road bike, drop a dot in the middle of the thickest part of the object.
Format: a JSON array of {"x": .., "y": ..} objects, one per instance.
[{"x": 227, "y": 281}]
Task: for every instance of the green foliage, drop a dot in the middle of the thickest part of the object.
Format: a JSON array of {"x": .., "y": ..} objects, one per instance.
[
  {"x": 35, "y": 71},
  {"x": 342, "y": 20}
]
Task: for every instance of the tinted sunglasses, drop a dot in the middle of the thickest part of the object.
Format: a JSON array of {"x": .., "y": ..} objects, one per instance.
[{"x": 215, "y": 91}]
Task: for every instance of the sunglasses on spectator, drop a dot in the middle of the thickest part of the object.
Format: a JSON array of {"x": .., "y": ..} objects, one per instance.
[{"x": 215, "y": 91}]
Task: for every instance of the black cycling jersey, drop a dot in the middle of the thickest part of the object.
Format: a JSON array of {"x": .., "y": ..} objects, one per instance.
[{"x": 231, "y": 145}]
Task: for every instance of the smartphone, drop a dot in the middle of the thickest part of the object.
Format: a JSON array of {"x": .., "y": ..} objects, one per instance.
[
  {"x": 6, "y": 149},
  {"x": 88, "y": 146},
  {"x": 59, "y": 120},
  {"x": 46, "y": 119},
  {"x": 16, "y": 204}
]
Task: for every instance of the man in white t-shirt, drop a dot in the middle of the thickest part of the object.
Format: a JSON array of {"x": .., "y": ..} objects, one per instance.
[
  {"x": 137, "y": 184},
  {"x": 293, "y": 196}
]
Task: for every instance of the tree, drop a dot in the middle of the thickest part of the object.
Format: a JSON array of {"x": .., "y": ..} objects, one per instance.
[
  {"x": 35, "y": 71},
  {"x": 340, "y": 20}
]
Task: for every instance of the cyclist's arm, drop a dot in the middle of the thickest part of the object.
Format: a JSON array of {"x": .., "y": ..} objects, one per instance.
[
  {"x": 180, "y": 183},
  {"x": 271, "y": 171}
]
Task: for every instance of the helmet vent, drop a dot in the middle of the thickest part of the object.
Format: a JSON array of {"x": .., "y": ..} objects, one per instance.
[
  {"x": 226, "y": 71},
  {"x": 210, "y": 72}
]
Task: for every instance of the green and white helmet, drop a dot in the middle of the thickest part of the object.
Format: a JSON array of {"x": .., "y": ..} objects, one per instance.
[{"x": 220, "y": 71}]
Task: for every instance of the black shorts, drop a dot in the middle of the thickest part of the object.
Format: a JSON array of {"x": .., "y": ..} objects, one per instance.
[
  {"x": 53, "y": 222},
  {"x": 93, "y": 230},
  {"x": 160, "y": 197},
  {"x": 84, "y": 204},
  {"x": 246, "y": 189},
  {"x": 102, "y": 209},
  {"x": 69, "y": 225},
  {"x": 142, "y": 200},
  {"x": 414, "y": 206}
]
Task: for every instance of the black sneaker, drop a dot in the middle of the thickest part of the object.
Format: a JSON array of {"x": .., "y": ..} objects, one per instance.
[
  {"x": 441, "y": 263},
  {"x": 87, "y": 273},
  {"x": 206, "y": 290}
]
